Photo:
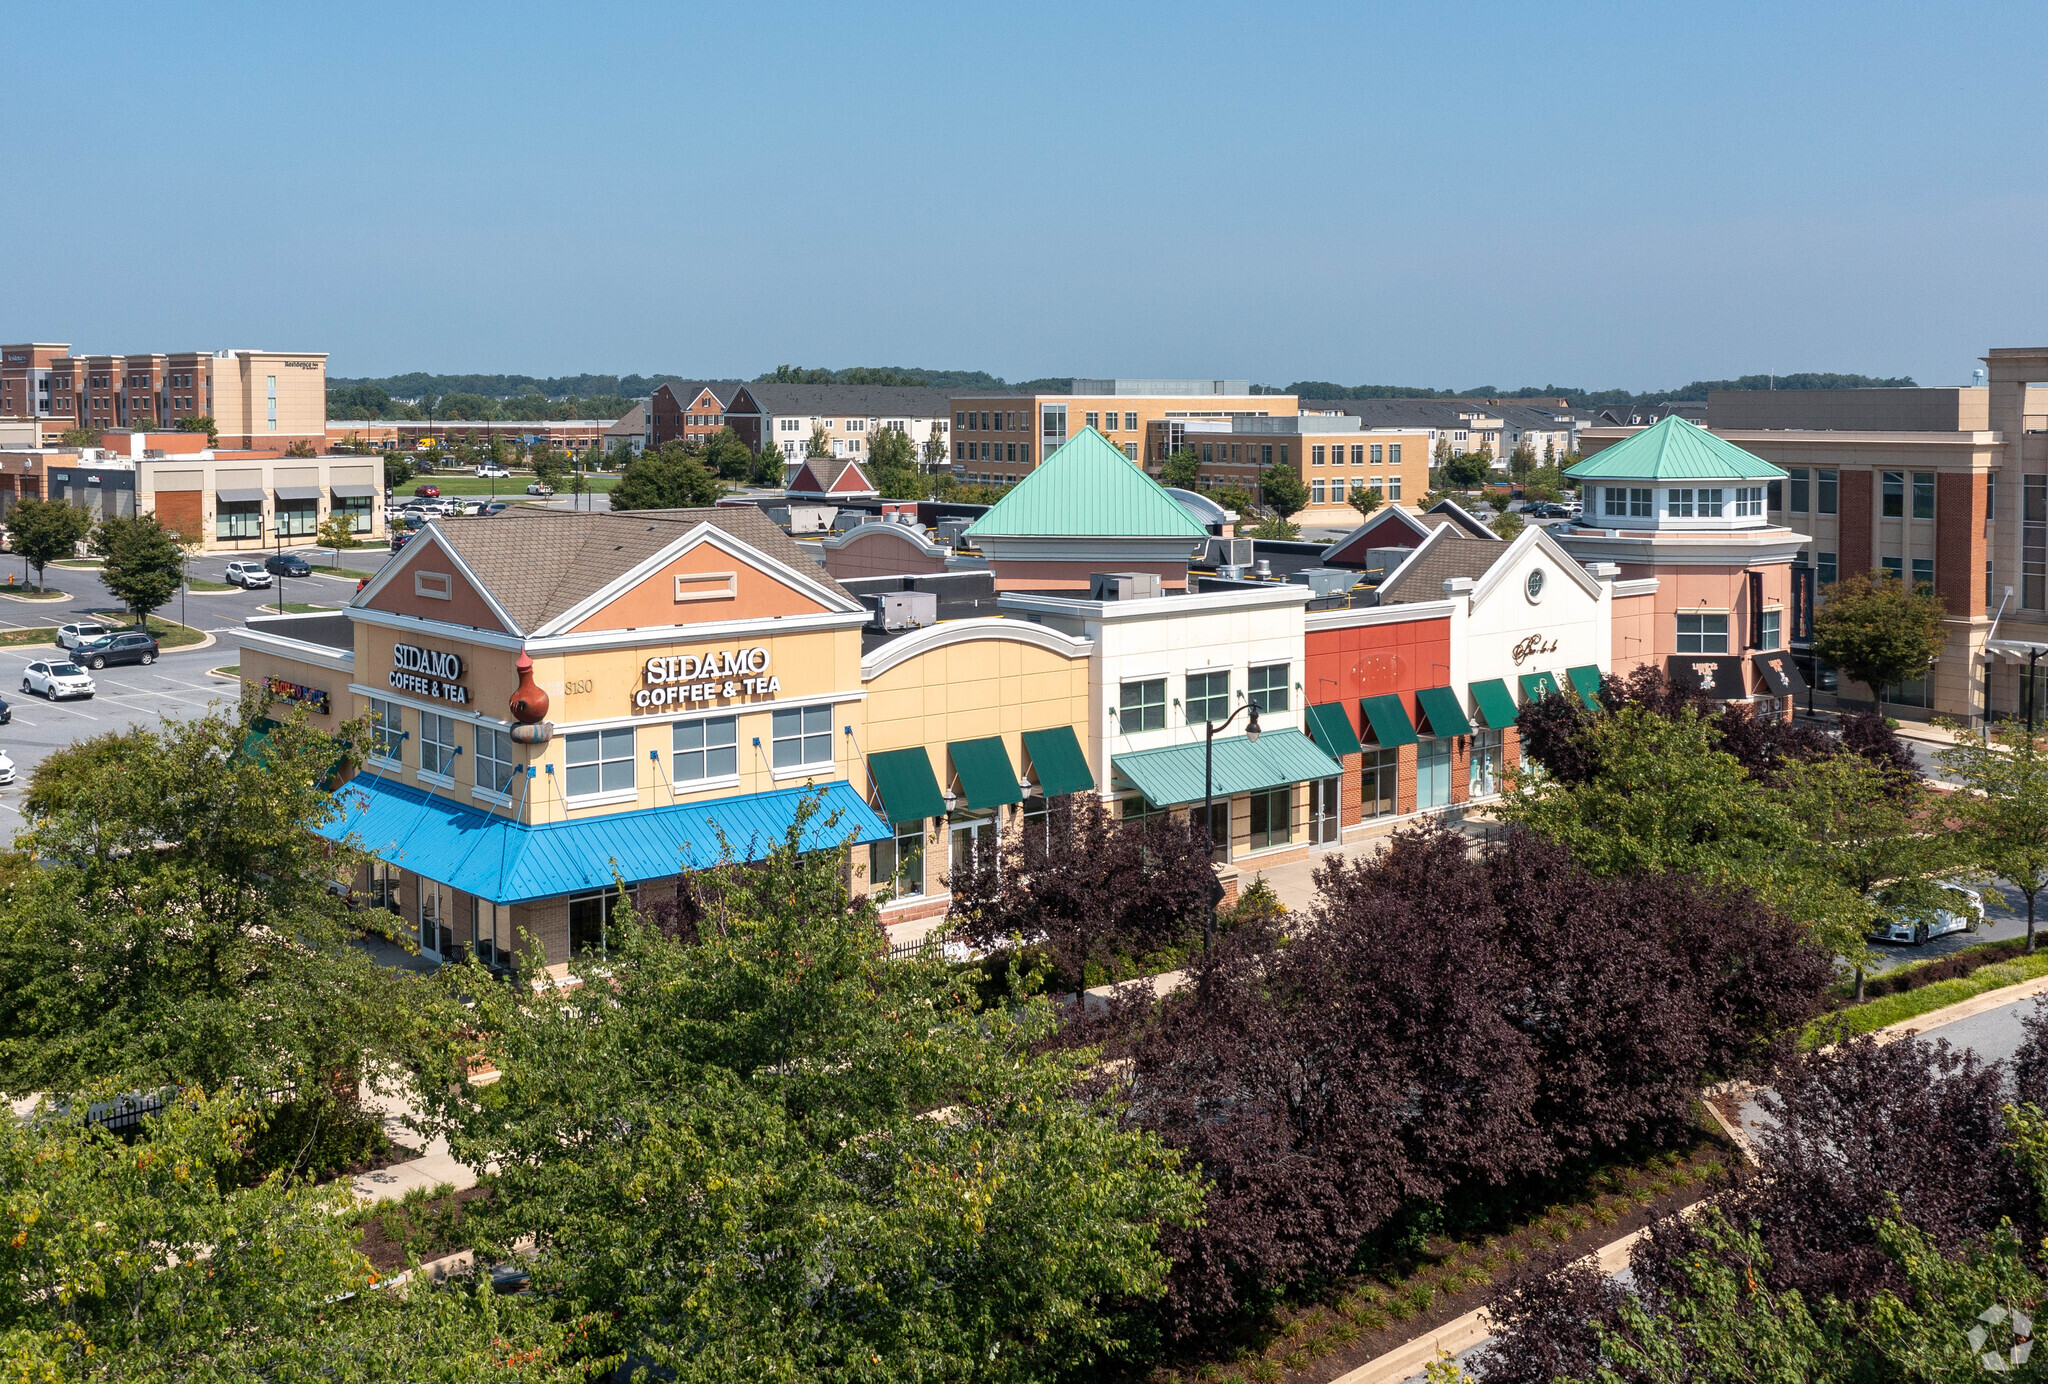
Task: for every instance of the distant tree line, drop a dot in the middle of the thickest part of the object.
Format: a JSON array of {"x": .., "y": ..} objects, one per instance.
[
  {"x": 911, "y": 375},
  {"x": 368, "y": 401},
  {"x": 1696, "y": 392}
]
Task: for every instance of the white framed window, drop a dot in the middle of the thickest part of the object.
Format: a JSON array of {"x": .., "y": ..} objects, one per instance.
[
  {"x": 387, "y": 731},
  {"x": 802, "y": 737},
  {"x": 896, "y": 866},
  {"x": 494, "y": 765},
  {"x": 706, "y": 748},
  {"x": 1680, "y": 505},
  {"x": 1749, "y": 501},
  {"x": 1700, "y": 632},
  {"x": 599, "y": 761},
  {"x": 1710, "y": 504},
  {"x": 1769, "y": 630},
  {"x": 1130, "y": 422},
  {"x": 437, "y": 745},
  {"x": 1614, "y": 501}
]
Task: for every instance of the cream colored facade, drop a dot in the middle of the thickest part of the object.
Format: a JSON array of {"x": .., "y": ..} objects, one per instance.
[
  {"x": 265, "y": 398},
  {"x": 1001, "y": 437},
  {"x": 232, "y": 504}
]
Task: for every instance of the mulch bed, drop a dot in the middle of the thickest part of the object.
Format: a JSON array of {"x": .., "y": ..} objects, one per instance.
[
  {"x": 387, "y": 1255},
  {"x": 1314, "y": 1343}
]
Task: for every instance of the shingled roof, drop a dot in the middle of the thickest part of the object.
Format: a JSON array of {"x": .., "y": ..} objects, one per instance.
[
  {"x": 541, "y": 563},
  {"x": 1444, "y": 554}
]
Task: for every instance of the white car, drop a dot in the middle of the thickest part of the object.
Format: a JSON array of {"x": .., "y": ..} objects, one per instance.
[
  {"x": 57, "y": 680},
  {"x": 6, "y": 768},
  {"x": 84, "y": 632},
  {"x": 489, "y": 472},
  {"x": 1959, "y": 909},
  {"x": 540, "y": 488},
  {"x": 250, "y": 576}
]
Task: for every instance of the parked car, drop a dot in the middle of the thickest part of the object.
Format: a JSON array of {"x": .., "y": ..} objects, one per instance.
[
  {"x": 489, "y": 472},
  {"x": 6, "y": 712},
  {"x": 432, "y": 492},
  {"x": 71, "y": 636},
  {"x": 287, "y": 565},
  {"x": 399, "y": 540},
  {"x": 539, "y": 488},
  {"x": 57, "y": 680},
  {"x": 6, "y": 768},
  {"x": 250, "y": 576},
  {"x": 494, "y": 507},
  {"x": 1959, "y": 909},
  {"x": 131, "y": 646}
]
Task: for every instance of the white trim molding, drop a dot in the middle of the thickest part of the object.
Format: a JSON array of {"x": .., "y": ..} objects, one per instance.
[{"x": 952, "y": 632}]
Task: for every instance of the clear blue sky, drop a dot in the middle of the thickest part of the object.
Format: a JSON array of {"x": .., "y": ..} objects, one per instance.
[{"x": 1620, "y": 195}]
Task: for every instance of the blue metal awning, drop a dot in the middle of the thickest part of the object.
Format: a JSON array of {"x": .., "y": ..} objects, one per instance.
[{"x": 504, "y": 861}]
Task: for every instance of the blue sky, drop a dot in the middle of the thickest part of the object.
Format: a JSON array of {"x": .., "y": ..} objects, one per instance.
[{"x": 1595, "y": 195}]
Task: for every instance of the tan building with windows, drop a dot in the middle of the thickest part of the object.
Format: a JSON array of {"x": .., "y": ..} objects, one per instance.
[
  {"x": 257, "y": 399},
  {"x": 999, "y": 436}
]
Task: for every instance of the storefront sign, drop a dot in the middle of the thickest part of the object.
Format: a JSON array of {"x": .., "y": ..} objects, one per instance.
[
  {"x": 313, "y": 697},
  {"x": 1720, "y": 678},
  {"x": 429, "y": 672},
  {"x": 1532, "y": 647},
  {"x": 714, "y": 675}
]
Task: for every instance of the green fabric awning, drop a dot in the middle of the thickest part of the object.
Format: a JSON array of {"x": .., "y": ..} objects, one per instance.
[
  {"x": 1440, "y": 708},
  {"x": 987, "y": 778},
  {"x": 1586, "y": 680},
  {"x": 909, "y": 789},
  {"x": 1172, "y": 777},
  {"x": 1329, "y": 725},
  {"x": 1537, "y": 686},
  {"x": 1496, "y": 704},
  {"x": 1057, "y": 761},
  {"x": 1389, "y": 721}
]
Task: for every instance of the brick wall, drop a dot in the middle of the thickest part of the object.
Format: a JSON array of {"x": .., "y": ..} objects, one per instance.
[
  {"x": 1857, "y": 507},
  {"x": 1404, "y": 794},
  {"x": 1959, "y": 544}
]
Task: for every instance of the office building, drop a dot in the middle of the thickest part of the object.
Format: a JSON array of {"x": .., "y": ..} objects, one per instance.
[{"x": 257, "y": 399}]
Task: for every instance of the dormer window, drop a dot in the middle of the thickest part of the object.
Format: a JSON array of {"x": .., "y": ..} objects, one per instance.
[
  {"x": 1695, "y": 504},
  {"x": 1749, "y": 502}
]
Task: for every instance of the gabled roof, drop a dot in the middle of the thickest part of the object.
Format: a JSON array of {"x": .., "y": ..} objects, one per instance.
[
  {"x": 1674, "y": 450},
  {"x": 855, "y": 400},
  {"x": 685, "y": 392},
  {"x": 632, "y": 424},
  {"x": 1391, "y": 527},
  {"x": 847, "y": 478},
  {"x": 1465, "y": 519},
  {"x": 538, "y": 564},
  {"x": 1444, "y": 554},
  {"x": 1087, "y": 488}
]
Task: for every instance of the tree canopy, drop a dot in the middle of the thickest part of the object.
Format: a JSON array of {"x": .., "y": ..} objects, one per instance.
[
  {"x": 143, "y": 563},
  {"x": 44, "y": 530},
  {"x": 666, "y": 478},
  {"x": 1878, "y": 630}
]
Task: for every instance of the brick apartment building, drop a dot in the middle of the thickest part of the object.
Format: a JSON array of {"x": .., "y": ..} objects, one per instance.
[
  {"x": 1000, "y": 435},
  {"x": 257, "y": 399},
  {"x": 688, "y": 410}
]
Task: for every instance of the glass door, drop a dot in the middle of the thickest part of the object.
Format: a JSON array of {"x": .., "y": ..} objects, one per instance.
[
  {"x": 1486, "y": 748},
  {"x": 1325, "y": 815}
]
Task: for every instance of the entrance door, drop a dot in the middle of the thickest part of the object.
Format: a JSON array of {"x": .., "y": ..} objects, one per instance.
[
  {"x": 1325, "y": 813},
  {"x": 437, "y": 936},
  {"x": 1486, "y": 752}
]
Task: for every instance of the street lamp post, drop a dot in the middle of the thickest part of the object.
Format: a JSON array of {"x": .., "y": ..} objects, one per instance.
[{"x": 1251, "y": 733}]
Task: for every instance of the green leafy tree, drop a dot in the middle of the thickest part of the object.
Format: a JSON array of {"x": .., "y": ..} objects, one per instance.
[
  {"x": 1274, "y": 526},
  {"x": 1508, "y": 524},
  {"x": 1283, "y": 491},
  {"x": 1468, "y": 469},
  {"x": 1441, "y": 456},
  {"x": 81, "y": 437},
  {"x": 668, "y": 478},
  {"x": 892, "y": 466},
  {"x": 1521, "y": 461},
  {"x": 1365, "y": 499},
  {"x": 1878, "y": 630},
  {"x": 773, "y": 1153},
  {"x": 1183, "y": 470},
  {"x": 261, "y": 979},
  {"x": 727, "y": 457},
  {"x": 148, "y": 1257},
  {"x": 2003, "y": 808},
  {"x": 769, "y": 467},
  {"x": 201, "y": 423},
  {"x": 546, "y": 463},
  {"x": 820, "y": 444},
  {"x": 1234, "y": 498},
  {"x": 397, "y": 470},
  {"x": 338, "y": 531},
  {"x": 1545, "y": 483},
  {"x": 42, "y": 531},
  {"x": 300, "y": 449},
  {"x": 142, "y": 563},
  {"x": 935, "y": 455}
]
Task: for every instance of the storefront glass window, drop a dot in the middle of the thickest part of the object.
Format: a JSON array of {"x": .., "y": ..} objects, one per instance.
[
  {"x": 1486, "y": 751},
  {"x": 1218, "y": 820},
  {"x": 493, "y": 760},
  {"x": 897, "y": 865},
  {"x": 1208, "y": 697},
  {"x": 707, "y": 749},
  {"x": 600, "y": 761},
  {"x": 1269, "y": 687},
  {"x": 387, "y": 730},
  {"x": 1142, "y": 706},
  {"x": 1433, "y": 773},
  {"x": 357, "y": 508},
  {"x": 588, "y": 915},
  {"x": 298, "y": 518},
  {"x": 803, "y": 736},
  {"x": 238, "y": 519},
  {"x": 437, "y": 744},
  {"x": 974, "y": 839},
  {"x": 1272, "y": 818},
  {"x": 384, "y": 886},
  {"x": 436, "y": 935},
  {"x": 1381, "y": 777}
]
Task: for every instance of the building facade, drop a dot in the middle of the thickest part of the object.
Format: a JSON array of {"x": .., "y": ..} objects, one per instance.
[
  {"x": 998, "y": 436},
  {"x": 257, "y": 399},
  {"x": 688, "y": 410},
  {"x": 847, "y": 416}
]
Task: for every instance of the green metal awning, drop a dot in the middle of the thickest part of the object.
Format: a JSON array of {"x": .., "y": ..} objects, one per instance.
[
  {"x": 1389, "y": 721},
  {"x": 1440, "y": 708},
  {"x": 1173, "y": 777},
  {"x": 1329, "y": 725},
  {"x": 1496, "y": 704},
  {"x": 1057, "y": 761},
  {"x": 1537, "y": 686},
  {"x": 987, "y": 778},
  {"x": 1587, "y": 680},
  {"x": 909, "y": 789}
]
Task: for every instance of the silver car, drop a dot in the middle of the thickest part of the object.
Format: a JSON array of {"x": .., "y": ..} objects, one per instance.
[
  {"x": 250, "y": 576},
  {"x": 71, "y": 636}
]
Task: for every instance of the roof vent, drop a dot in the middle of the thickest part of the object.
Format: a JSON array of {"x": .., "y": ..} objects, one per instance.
[{"x": 1122, "y": 586}]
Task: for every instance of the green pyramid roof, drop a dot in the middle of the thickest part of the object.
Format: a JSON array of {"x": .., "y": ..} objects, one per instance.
[
  {"x": 1674, "y": 450},
  {"x": 1087, "y": 489}
]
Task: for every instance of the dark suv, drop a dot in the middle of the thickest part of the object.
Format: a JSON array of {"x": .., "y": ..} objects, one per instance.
[
  {"x": 132, "y": 646},
  {"x": 287, "y": 565}
]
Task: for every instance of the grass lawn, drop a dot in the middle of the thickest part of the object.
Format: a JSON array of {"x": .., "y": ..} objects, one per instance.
[
  {"x": 29, "y": 591},
  {"x": 233, "y": 670},
  {"x": 1890, "y": 1009},
  {"x": 87, "y": 562},
  {"x": 46, "y": 635},
  {"x": 291, "y": 608},
  {"x": 172, "y": 635},
  {"x": 202, "y": 584},
  {"x": 513, "y": 489},
  {"x": 349, "y": 572}
]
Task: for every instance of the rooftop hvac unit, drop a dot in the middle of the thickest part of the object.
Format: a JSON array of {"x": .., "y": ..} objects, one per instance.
[
  {"x": 1122, "y": 586},
  {"x": 906, "y": 610},
  {"x": 951, "y": 531},
  {"x": 1264, "y": 569},
  {"x": 1325, "y": 581},
  {"x": 1229, "y": 552}
]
